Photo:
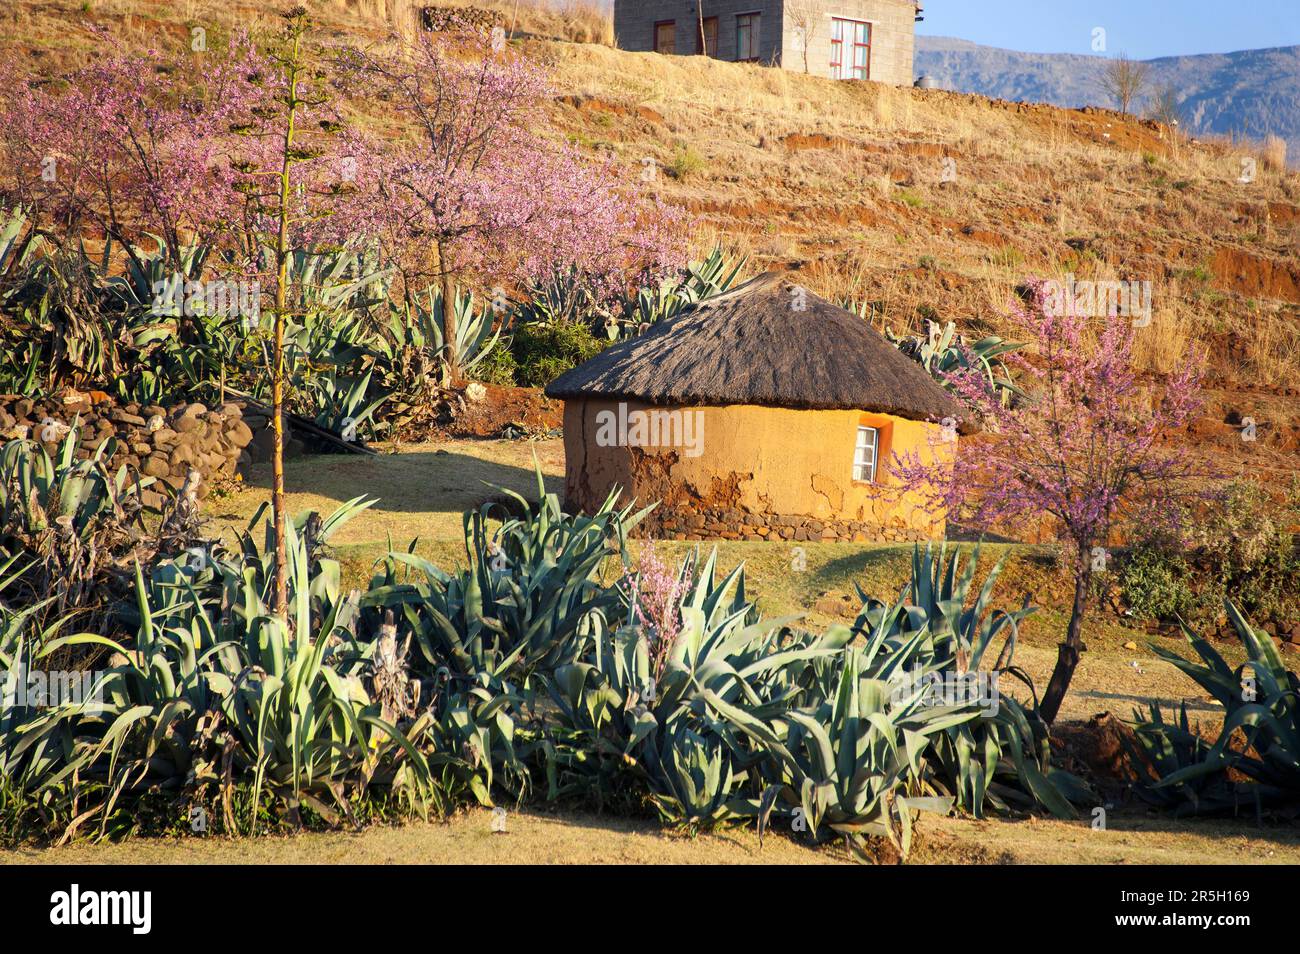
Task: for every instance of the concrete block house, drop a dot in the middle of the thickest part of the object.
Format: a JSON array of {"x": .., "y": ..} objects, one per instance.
[{"x": 839, "y": 39}]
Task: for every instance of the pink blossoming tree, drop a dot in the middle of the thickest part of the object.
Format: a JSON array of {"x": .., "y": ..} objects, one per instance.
[
  {"x": 127, "y": 145},
  {"x": 1088, "y": 449},
  {"x": 470, "y": 184}
]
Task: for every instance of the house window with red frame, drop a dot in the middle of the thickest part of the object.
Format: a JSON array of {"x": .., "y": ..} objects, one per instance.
[{"x": 851, "y": 37}]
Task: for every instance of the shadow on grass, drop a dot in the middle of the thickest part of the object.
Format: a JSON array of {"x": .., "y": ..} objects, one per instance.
[
  {"x": 1166, "y": 702},
  {"x": 420, "y": 482}
]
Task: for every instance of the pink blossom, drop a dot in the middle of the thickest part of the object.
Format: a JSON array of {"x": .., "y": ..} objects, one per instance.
[
  {"x": 1089, "y": 448},
  {"x": 474, "y": 180},
  {"x": 655, "y": 595}
]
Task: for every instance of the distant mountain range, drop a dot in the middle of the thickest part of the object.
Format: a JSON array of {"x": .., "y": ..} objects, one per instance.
[{"x": 1249, "y": 94}]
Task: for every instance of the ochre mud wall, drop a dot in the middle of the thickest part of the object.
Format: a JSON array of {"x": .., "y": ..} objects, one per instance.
[{"x": 760, "y": 473}]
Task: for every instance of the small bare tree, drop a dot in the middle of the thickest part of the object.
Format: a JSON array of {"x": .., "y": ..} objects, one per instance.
[
  {"x": 805, "y": 15},
  {"x": 1125, "y": 80},
  {"x": 1165, "y": 107}
]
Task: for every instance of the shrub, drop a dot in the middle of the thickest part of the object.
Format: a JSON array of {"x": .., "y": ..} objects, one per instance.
[
  {"x": 1156, "y": 582},
  {"x": 686, "y": 162},
  {"x": 543, "y": 352},
  {"x": 499, "y": 367},
  {"x": 1244, "y": 546}
]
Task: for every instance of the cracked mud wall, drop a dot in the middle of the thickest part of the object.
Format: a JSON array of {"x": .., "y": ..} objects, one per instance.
[{"x": 754, "y": 462}]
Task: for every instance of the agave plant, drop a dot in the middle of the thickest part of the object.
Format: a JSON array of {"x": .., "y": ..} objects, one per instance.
[
  {"x": 215, "y": 691},
  {"x": 618, "y": 723},
  {"x": 77, "y": 526},
  {"x": 846, "y": 766},
  {"x": 345, "y": 405},
  {"x": 20, "y": 244},
  {"x": 1005, "y": 757},
  {"x": 1255, "y": 761},
  {"x": 151, "y": 281},
  {"x": 524, "y": 594},
  {"x": 673, "y": 295},
  {"x": 943, "y": 353},
  {"x": 336, "y": 282},
  {"x": 413, "y": 346},
  {"x": 565, "y": 296}
]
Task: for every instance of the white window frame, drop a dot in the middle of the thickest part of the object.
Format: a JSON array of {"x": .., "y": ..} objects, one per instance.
[{"x": 866, "y": 454}]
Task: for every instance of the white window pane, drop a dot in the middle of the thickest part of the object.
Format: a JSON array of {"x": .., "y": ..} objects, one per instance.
[{"x": 864, "y": 454}]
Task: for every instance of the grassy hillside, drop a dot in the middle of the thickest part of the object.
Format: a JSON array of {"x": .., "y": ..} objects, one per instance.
[
  {"x": 1249, "y": 94},
  {"x": 846, "y": 182}
]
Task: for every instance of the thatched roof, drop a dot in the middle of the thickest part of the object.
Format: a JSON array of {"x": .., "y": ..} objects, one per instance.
[{"x": 752, "y": 346}]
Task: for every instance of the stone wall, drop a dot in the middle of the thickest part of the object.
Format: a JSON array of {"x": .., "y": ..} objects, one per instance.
[
  {"x": 165, "y": 443},
  {"x": 737, "y": 525},
  {"x": 437, "y": 19}
]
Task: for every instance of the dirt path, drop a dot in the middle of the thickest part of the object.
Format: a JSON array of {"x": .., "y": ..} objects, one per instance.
[{"x": 551, "y": 839}]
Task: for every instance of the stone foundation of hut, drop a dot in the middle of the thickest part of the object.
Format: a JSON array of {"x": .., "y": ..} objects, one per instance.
[{"x": 738, "y": 525}]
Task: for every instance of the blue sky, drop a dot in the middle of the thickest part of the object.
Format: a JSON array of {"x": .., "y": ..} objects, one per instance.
[{"x": 1141, "y": 28}]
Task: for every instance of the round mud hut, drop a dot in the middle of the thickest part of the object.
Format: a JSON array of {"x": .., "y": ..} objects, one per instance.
[{"x": 764, "y": 413}]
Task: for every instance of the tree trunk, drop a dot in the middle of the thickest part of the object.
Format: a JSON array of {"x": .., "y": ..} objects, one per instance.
[
  {"x": 448, "y": 316},
  {"x": 1068, "y": 653},
  {"x": 280, "y": 595}
]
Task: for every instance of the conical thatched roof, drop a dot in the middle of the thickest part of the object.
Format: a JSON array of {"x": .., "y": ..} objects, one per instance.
[{"x": 753, "y": 345}]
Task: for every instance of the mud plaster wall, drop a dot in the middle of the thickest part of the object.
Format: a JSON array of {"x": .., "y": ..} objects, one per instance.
[{"x": 788, "y": 472}]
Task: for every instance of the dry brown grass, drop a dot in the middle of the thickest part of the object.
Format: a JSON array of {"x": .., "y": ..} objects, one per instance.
[
  {"x": 1274, "y": 154},
  {"x": 845, "y": 182}
]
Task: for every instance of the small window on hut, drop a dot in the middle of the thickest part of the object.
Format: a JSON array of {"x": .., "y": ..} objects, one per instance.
[
  {"x": 666, "y": 36},
  {"x": 865, "y": 454}
]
